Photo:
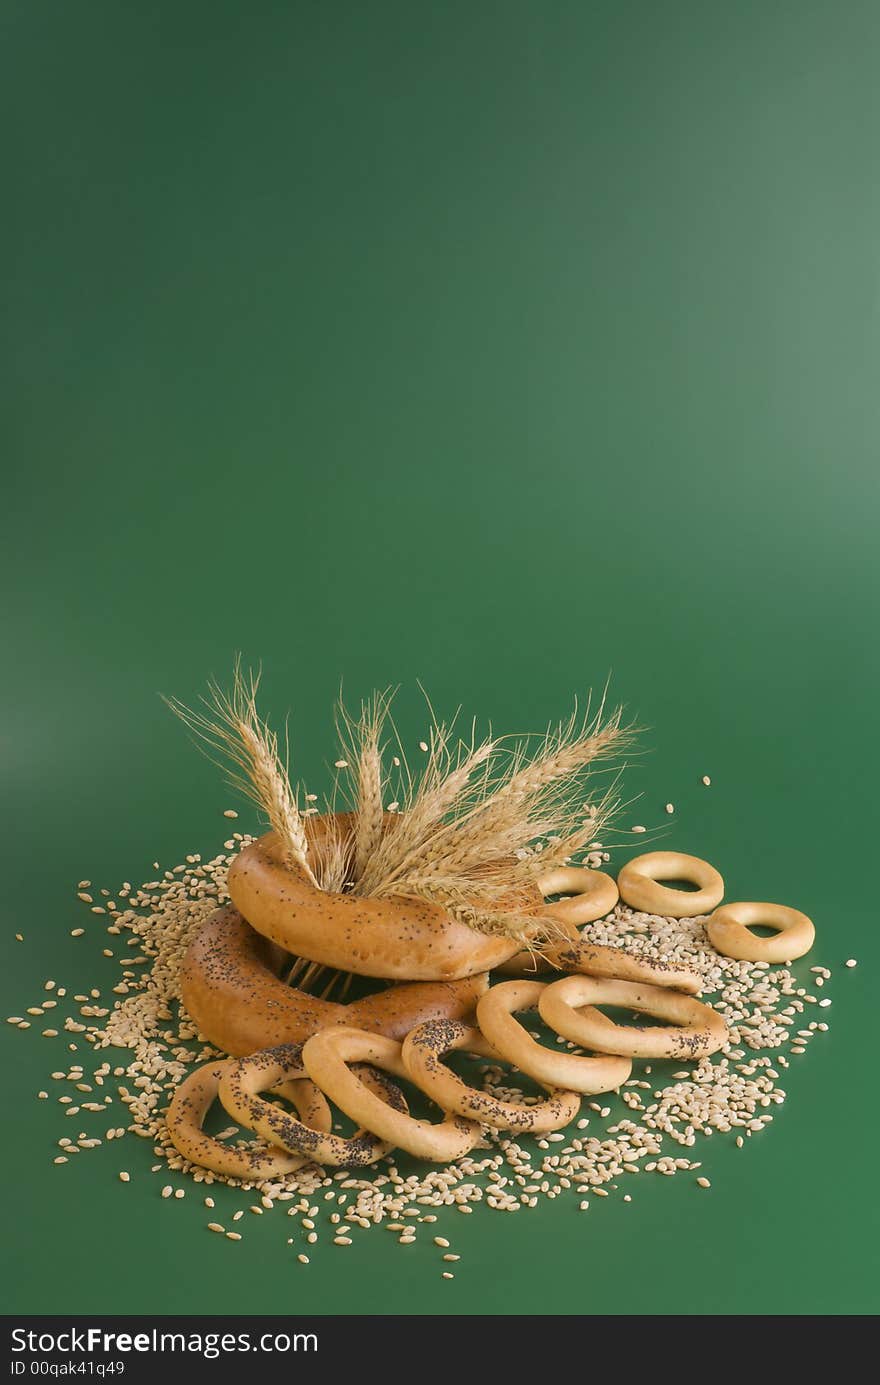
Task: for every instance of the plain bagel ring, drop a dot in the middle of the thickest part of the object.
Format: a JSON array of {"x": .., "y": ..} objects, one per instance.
[
  {"x": 327, "y": 1056},
  {"x": 239, "y": 1092},
  {"x": 423, "y": 1052},
  {"x": 233, "y": 993},
  {"x": 699, "y": 1029},
  {"x": 550, "y": 1066},
  {"x": 593, "y": 895},
  {"x": 729, "y": 932},
  {"x": 190, "y": 1105},
  {"x": 638, "y": 882},
  {"x": 403, "y": 938}
]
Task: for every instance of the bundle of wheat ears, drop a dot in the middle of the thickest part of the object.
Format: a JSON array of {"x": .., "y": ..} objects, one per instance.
[{"x": 470, "y": 830}]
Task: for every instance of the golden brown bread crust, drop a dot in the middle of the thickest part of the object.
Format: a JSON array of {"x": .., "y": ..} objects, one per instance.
[
  {"x": 230, "y": 989},
  {"x": 401, "y": 939}
]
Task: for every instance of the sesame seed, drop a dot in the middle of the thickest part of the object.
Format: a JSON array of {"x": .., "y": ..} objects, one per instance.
[
  {"x": 706, "y": 780},
  {"x": 230, "y": 813},
  {"x": 340, "y": 764},
  {"x": 215, "y": 1226},
  {"x": 638, "y": 828},
  {"x": 448, "y": 1275},
  {"x": 851, "y": 962},
  {"x": 303, "y": 1259},
  {"x": 233, "y": 1235},
  {"x": 441, "y": 1241},
  {"x": 703, "y": 1183},
  {"x": 670, "y": 808},
  {"x": 823, "y": 1004}
]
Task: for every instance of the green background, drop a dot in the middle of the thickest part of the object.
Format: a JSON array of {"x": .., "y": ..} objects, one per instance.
[{"x": 497, "y": 345}]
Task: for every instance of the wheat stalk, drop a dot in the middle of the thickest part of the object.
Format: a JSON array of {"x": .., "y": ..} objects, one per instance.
[
  {"x": 480, "y": 821},
  {"x": 437, "y": 794},
  {"x": 362, "y": 753},
  {"x": 233, "y": 728}
]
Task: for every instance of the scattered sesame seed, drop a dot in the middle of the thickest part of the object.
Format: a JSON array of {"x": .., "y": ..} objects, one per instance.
[
  {"x": 215, "y": 1226},
  {"x": 233, "y": 1235},
  {"x": 230, "y": 813},
  {"x": 703, "y": 1183},
  {"x": 670, "y": 807},
  {"x": 448, "y": 1275},
  {"x": 124, "y": 1177},
  {"x": 851, "y": 962},
  {"x": 706, "y": 780},
  {"x": 77, "y": 932},
  {"x": 303, "y": 1259},
  {"x": 638, "y": 828}
]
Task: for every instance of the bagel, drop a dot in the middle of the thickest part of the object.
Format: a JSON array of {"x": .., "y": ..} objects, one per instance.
[
  {"x": 190, "y": 1105},
  {"x": 232, "y": 993},
  {"x": 699, "y": 1030},
  {"x": 729, "y": 932},
  {"x": 244, "y": 1080},
  {"x": 423, "y": 1051},
  {"x": 639, "y": 886},
  {"x": 402, "y": 939},
  {"x": 326, "y": 1057},
  {"x": 549, "y": 1066}
]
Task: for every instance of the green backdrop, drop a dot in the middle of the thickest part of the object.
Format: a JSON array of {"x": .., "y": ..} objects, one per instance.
[{"x": 500, "y": 345}]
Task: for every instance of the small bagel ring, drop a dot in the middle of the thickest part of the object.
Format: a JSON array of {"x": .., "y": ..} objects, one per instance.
[
  {"x": 423, "y": 1051},
  {"x": 639, "y": 887},
  {"x": 594, "y": 894},
  {"x": 547, "y": 1065},
  {"x": 326, "y": 1057},
  {"x": 729, "y": 932},
  {"x": 701, "y": 1030},
  {"x": 239, "y": 1092},
  {"x": 190, "y": 1105}
]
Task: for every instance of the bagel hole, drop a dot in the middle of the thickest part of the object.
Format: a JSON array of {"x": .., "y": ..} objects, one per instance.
[
  {"x": 762, "y": 930},
  {"x": 686, "y": 886}
]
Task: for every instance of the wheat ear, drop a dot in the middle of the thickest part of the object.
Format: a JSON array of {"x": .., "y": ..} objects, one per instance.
[{"x": 233, "y": 729}]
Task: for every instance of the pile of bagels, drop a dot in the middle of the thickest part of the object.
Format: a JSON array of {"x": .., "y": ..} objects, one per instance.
[{"x": 285, "y": 1042}]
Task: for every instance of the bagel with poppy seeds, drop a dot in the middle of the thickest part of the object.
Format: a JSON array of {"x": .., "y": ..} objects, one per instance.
[
  {"x": 232, "y": 992},
  {"x": 400, "y": 939}
]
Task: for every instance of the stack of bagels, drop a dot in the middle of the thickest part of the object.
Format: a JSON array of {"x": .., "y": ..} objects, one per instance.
[{"x": 437, "y": 998}]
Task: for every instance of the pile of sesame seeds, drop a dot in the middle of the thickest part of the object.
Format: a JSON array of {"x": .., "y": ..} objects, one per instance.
[{"x": 772, "y": 1016}]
